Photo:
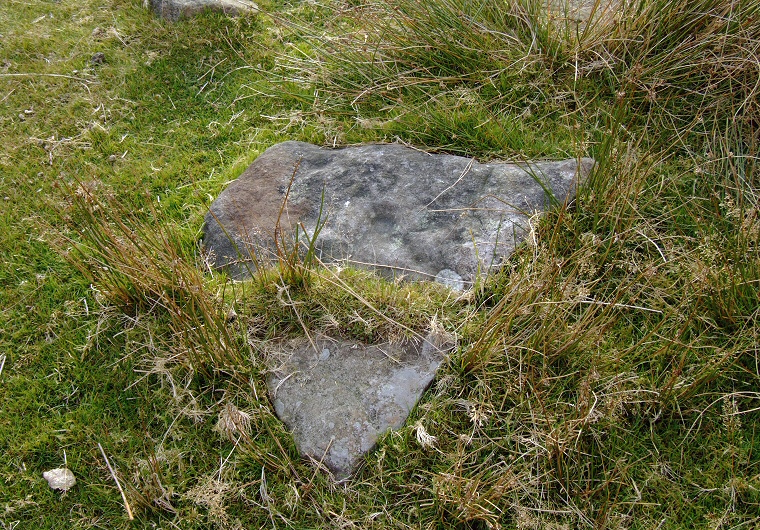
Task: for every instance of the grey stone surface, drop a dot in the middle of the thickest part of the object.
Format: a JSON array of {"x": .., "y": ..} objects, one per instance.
[
  {"x": 397, "y": 209},
  {"x": 338, "y": 397},
  {"x": 60, "y": 479},
  {"x": 176, "y": 9},
  {"x": 581, "y": 11}
]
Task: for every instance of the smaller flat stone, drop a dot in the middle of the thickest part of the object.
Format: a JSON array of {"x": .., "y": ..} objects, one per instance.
[{"x": 339, "y": 398}]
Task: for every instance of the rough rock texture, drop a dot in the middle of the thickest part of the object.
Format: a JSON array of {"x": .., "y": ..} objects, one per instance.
[
  {"x": 60, "y": 479},
  {"x": 339, "y": 398},
  {"x": 581, "y": 11},
  {"x": 397, "y": 209},
  {"x": 175, "y": 9}
]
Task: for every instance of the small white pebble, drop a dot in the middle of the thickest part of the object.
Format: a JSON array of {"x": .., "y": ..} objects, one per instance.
[
  {"x": 450, "y": 279},
  {"x": 60, "y": 479}
]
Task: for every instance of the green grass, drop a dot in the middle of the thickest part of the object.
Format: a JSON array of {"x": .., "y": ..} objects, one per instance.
[{"x": 607, "y": 377}]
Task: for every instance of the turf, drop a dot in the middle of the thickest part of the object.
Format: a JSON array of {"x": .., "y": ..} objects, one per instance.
[{"x": 606, "y": 377}]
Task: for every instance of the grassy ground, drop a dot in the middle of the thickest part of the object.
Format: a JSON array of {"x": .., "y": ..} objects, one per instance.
[{"x": 607, "y": 378}]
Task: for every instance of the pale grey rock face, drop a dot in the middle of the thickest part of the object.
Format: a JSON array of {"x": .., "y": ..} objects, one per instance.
[
  {"x": 175, "y": 9},
  {"x": 60, "y": 478},
  {"x": 338, "y": 397},
  {"x": 388, "y": 207}
]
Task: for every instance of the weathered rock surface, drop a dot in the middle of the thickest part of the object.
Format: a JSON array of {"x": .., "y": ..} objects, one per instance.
[
  {"x": 339, "y": 398},
  {"x": 399, "y": 210},
  {"x": 581, "y": 11},
  {"x": 60, "y": 478},
  {"x": 175, "y": 9}
]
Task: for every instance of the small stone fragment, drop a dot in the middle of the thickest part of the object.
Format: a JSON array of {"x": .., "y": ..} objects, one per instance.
[
  {"x": 450, "y": 279},
  {"x": 60, "y": 479}
]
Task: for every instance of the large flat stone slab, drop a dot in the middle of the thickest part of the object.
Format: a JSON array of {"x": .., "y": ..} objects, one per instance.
[
  {"x": 338, "y": 397},
  {"x": 390, "y": 207},
  {"x": 176, "y": 9}
]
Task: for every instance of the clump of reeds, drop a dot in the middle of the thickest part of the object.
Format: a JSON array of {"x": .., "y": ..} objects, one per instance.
[
  {"x": 138, "y": 267},
  {"x": 612, "y": 339}
]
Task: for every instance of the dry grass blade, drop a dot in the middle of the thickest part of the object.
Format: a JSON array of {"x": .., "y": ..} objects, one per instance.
[{"x": 118, "y": 484}]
